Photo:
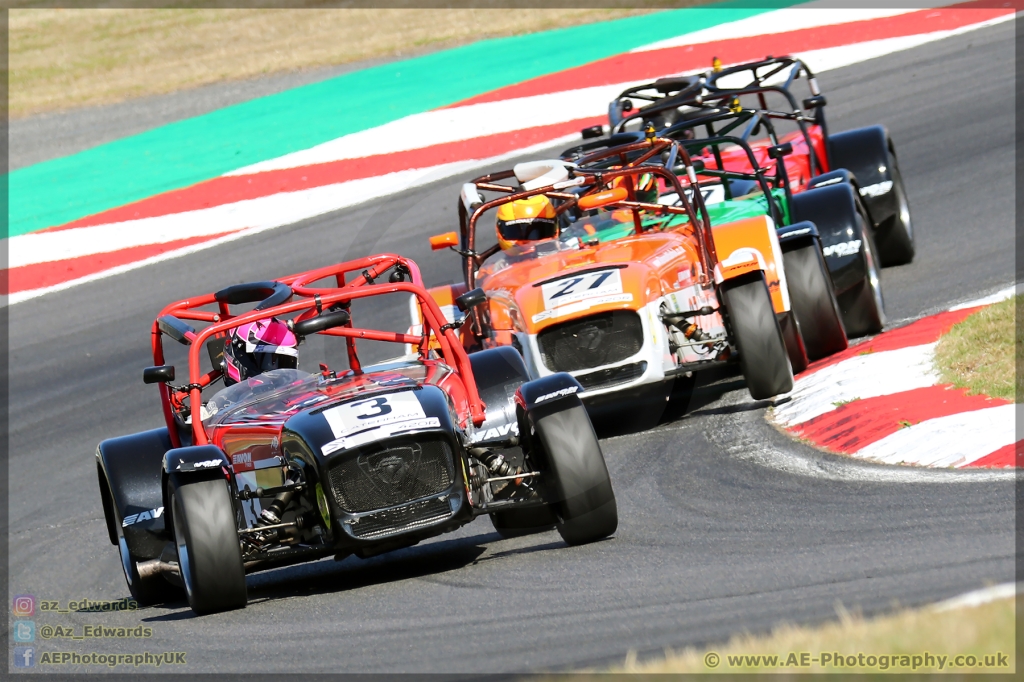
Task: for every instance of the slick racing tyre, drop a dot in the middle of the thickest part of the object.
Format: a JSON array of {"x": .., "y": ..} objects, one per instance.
[
  {"x": 583, "y": 496},
  {"x": 894, "y": 237},
  {"x": 863, "y": 307},
  {"x": 146, "y": 591},
  {"x": 206, "y": 537},
  {"x": 792, "y": 336},
  {"x": 758, "y": 338},
  {"x": 814, "y": 302}
]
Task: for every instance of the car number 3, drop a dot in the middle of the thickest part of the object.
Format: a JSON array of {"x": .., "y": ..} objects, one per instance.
[{"x": 374, "y": 407}]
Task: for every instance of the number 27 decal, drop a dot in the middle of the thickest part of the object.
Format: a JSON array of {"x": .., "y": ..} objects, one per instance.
[{"x": 589, "y": 281}]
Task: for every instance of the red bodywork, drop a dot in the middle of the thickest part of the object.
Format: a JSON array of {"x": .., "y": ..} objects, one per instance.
[{"x": 447, "y": 366}]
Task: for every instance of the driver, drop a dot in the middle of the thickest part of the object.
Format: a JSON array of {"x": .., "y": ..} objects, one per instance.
[
  {"x": 259, "y": 347},
  {"x": 526, "y": 220}
]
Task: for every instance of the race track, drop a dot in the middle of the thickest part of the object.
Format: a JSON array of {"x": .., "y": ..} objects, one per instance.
[{"x": 725, "y": 524}]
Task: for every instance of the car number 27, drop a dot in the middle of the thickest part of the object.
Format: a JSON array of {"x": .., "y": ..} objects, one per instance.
[
  {"x": 581, "y": 287},
  {"x": 372, "y": 412}
]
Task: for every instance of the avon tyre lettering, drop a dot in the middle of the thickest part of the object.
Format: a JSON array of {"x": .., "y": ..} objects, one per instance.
[{"x": 842, "y": 249}]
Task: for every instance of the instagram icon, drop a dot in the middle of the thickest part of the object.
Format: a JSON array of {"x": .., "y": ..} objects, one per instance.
[{"x": 24, "y": 605}]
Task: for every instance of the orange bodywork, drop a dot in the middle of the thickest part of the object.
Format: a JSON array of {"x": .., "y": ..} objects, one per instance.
[{"x": 737, "y": 242}]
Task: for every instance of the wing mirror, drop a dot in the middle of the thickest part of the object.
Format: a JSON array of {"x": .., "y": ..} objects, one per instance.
[
  {"x": 611, "y": 196},
  {"x": 780, "y": 150},
  {"x": 592, "y": 132},
  {"x": 158, "y": 375},
  {"x": 338, "y": 318},
  {"x": 443, "y": 241},
  {"x": 815, "y": 102},
  {"x": 471, "y": 299}
]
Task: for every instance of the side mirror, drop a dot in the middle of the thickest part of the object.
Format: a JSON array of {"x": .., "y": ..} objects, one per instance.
[
  {"x": 780, "y": 150},
  {"x": 592, "y": 132},
  {"x": 471, "y": 299},
  {"x": 158, "y": 375},
  {"x": 611, "y": 196},
  {"x": 815, "y": 102},
  {"x": 443, "y": 241},
  {"x": 321, "y": 322}
]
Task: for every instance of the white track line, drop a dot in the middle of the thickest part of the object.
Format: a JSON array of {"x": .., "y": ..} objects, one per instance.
[{"x": 977, "y": 597}]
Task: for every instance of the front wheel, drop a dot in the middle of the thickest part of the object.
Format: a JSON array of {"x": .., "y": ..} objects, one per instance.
[
  {"x": 206, "y": 537},
  {"x": 584, "y": 500},
  {"x": 758, "y": 338},
  {"x": 814, "y": 302}
]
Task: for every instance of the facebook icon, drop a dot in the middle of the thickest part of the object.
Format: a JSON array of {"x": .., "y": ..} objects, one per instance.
[{"x": 24, "y": 656}]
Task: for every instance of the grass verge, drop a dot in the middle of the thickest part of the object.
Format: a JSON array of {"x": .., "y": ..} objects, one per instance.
[
  {"x": 980, "y": 353},
  {"x": 64, "y": 58},
  {"x": 986, "y": 633}
]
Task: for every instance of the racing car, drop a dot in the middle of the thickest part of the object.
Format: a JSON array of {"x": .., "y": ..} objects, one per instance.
[
  {"x": 284, "y": 466},
  {"x": 865, "y": 158},
  {"x": 625, "y": 317}
]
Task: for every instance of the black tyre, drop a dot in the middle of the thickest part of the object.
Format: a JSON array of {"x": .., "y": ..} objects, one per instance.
[
  {"x": 758, "y": 338},
  {"x": 894, "y": 236},
  {"x": 146, "y": 591},
  {"x": 814, "y": 302},
  {"x": 863, "y": 306},
  {"x": 792, "y": 336},
  {"x": 584, "y": 500},
  {"x": 206, "y": 537},
  {"x": 516, "y": 523}
]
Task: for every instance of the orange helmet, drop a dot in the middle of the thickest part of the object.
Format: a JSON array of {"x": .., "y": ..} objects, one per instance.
[{"x": 526, "y": 220}]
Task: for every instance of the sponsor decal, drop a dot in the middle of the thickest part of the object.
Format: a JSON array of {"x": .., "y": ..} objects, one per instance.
[
  {"x": 379, "y": 433},
  {"x": 876, "y": 190},
  {"x": 208, "y": 464},
  {"x": 497, "y": 432},
  {"x": 570, "y": 390},
  {"x": 242, "y": 457},
  {"x": 842, "y": 249},
  {"x": 368, "y": 413},
  {"x": 147, "y": 515},
  {"x": 670, "y": 255}
]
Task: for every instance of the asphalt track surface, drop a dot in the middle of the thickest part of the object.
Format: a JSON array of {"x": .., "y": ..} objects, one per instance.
[{"x": 725, "y": 524}]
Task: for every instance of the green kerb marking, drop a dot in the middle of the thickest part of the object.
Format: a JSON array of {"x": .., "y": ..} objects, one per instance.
[{"x": 196, "y": 149}]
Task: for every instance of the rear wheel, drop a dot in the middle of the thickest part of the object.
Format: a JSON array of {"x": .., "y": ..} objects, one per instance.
[
  {"x": 206, "y": 537},
  {"x": 758, "y": 338},
  {"x": 584, "y": 500},
  {"x": 792, "y": 336},
  {"x": 146, "y": 591},
  {"x": 814, "y": 302},
  {"x": 894, "y": 237},
  {"x": 863, "y": 307}
]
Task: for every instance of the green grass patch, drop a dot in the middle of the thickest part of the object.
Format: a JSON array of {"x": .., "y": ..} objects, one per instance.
[{"x": 980, "y": 354}]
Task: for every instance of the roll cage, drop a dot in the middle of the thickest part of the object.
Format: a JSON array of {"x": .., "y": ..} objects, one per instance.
[
  {"x": 695, "y": 95},
  {"x": 295, "y": 294},
  {"x": 590, "y": 176}
]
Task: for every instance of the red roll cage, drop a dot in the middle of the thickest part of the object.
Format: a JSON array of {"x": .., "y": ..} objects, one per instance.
[{"x": 308, "y": 301}]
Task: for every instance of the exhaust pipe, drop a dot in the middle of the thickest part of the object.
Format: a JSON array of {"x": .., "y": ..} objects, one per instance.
[{"x": 153, "y": 567}]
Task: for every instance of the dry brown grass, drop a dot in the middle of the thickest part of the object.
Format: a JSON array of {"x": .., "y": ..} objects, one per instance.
[
  {"x": 63, "y": 58},
  {"x": 980, "y": 353},
  {"x": 979, "y": 631}
]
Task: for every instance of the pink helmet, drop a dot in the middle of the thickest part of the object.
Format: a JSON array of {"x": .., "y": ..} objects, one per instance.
[{"x": 258, "y": 347}]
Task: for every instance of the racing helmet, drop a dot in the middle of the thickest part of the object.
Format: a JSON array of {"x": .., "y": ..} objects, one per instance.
[
  {"x": 526, "y": 220},
  {"x": 647, "y": 188},
  {"x": 259, "y": 347}
]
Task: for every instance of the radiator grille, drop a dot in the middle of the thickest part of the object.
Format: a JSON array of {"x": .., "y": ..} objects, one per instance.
[
  {"x": 612, "y": 377},
  {"x": 590, "y": 342},
  {"x": 409, "y": 517},
  {"x": 391, "y": 474}
]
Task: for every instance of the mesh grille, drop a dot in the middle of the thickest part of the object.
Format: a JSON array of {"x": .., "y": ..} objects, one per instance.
[
  {"x": 612, "y": 377},
  {"x": 593, "y": 341},
  {"x": 387, "y": 476},
  {"x": 401, "y": 519}
]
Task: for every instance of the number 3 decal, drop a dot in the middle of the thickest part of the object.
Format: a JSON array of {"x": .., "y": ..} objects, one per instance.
[{"x": 374, "y": 407}]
